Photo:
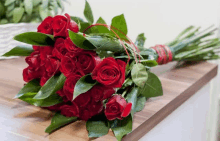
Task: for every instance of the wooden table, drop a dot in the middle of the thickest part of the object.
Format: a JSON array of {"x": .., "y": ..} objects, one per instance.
[{"x": 20, "y": 121}]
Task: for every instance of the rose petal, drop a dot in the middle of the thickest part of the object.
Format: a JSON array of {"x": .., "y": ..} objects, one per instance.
[{"x": 127, "y": 110}]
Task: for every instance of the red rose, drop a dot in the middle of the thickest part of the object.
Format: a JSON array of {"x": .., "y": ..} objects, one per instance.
[
  {"x": 46, "y": 26},
  {"x": 85, "y": 114},
  {"x": 70, "y": 84},
  {"x": 70, "y": 110},
  {"x": 30, "y": 74},
  {"x": 68, "y": 66},
  {"x": 110, "y": 72},
  {"x": 33, "y": 60},
  {"x": 61, "y": 24},
  {"x": 52, "y": 66},
  {"x": 54, "y": 107},
  {"x": 117, "y": 107},
  {"x": 63, "y": 95},
  {"x": 86, "y": 60},
  {"x": 100, "y": 92},
  {"x": 45, "y": 52},
  {"x": 95, "y": 107},
  {"x": 59, "y": 48},
  {"x": 70, "y": 46},
  {"x": 83, "y": 100},
  {"x": 36, "y": 48}
]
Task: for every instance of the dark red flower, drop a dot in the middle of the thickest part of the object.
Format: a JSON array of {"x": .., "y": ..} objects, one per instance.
[
  {"x": 110, "y": 72},
  {"x": 68, "y": 66},
  {"x": 63, "y": 95},
  {"x": 86, "y": 60},
  {"x": 33, "y": 60},
  {"x": 117, "y": 107},
  {"x": 59, "y": 48},
  {"x": 30, "y": 74},
  {"x": 46, "y": 26},
  {"x": 100, "y": 92},
  {"x": 85, "y": 114},
  {"x": 71, "y": 47},
  {"x": 61, "y": 24},
  {"x": 83, "y": 100},
  {"x": 45, "y": 52},
  {"x": 95, "y": 107},
  {"x": 70, "y": 110},
  {"x": 70, "y": 84}
]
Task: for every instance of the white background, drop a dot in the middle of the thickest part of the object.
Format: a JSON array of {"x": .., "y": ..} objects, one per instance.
[{"x": 160, "y": 20}]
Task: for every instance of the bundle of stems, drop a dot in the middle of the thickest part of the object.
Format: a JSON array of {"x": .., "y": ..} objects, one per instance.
[{"x": 195, "y": 45}]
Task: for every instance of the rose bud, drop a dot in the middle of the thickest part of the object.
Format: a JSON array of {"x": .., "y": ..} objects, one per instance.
[
  {"x": 61, "y": 24},
  {"x": 117, "y": 107},
  {"x": 70, "y": 110},
  {"x": 46, "y": 26},
  {"x": 30, "y": 74},
  {"x": 33, "y": 60},
  {"x": 110, "y": 72}
]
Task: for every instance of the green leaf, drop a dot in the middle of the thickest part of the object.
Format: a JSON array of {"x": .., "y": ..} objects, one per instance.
[
  {"x": 105, "y": 43},
  {"x": 139, "y": 74},
  {"x": 121, "y": 127},
  {"x": 45, "y": 3},
  {"x": 78, "y": 20},
  {"x": 19, "y": 51},
  {"x": 58, "y": 121},
  {"x": 88, "y": 13},
  {"x": 132, "y": 98},
  {"x": 80, "y": 41},
  {"x": 50, "y": 101},
  {"x": 17, "y": 14},
  {"x": 52, "y": 85},
  {"x": 28, "y": 4},
  {"x": 102, "y": 29},
  {"x": 141, "y": 100},
  {"x": 149, "y": 63},
  {"x": 36, "y": 2},
  {"x": 120, "y": 23},
  {"x": 140, "y": 40},
  {"x": 84, "y": 84},
  {"x": 31, "y": 87},
  {"x": 152, "y": 87},
  {"x": 97, "y": 127},
  {"x": 8, "y": 2},
  {"x": 2, "y": 10},
  {"x": 35, "y": 38},
  {"x": 44, "y": 12},
  {"x": 60, "y": 4}
]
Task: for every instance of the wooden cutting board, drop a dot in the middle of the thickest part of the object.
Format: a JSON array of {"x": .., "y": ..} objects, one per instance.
[{"x": 20, "y": 121}]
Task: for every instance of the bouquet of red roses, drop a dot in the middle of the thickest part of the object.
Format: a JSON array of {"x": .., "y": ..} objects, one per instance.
[{"x": 94, "y": 72}]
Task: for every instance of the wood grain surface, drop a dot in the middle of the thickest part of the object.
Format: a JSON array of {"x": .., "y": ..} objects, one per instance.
[{"x": 20, "y": 121}]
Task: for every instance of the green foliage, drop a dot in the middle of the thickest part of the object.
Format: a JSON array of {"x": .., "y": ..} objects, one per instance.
[
  {"x": 121, "y": 127},
  {"x": 152, "y": 87},
  {"x": 139, "y": 74},
  {"x": 35, "y": 38},
  {"x": 50, "y": 101},
  {"x": 14, "y": 11},
  {"x": 59, "y": 121},
  {"x": 140, "y": 40},
  {"x": 19, "y": 51},
  {"x": 141, "y": 100},
  {"x": 132, "y": 98},
  {"x": 80, "y": 41},
  {"x": 52, "y": 85},
  {"x": 120, "y": 23},
  {"x": 84, "y": 84},
  {"x": 88, "y": 13},
  {"x": 31, "y": 87},
  {"x": 97, "y": 126}
]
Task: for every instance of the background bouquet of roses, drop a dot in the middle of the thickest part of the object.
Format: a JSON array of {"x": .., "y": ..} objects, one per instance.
[{"x": 94, "y": 72}]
